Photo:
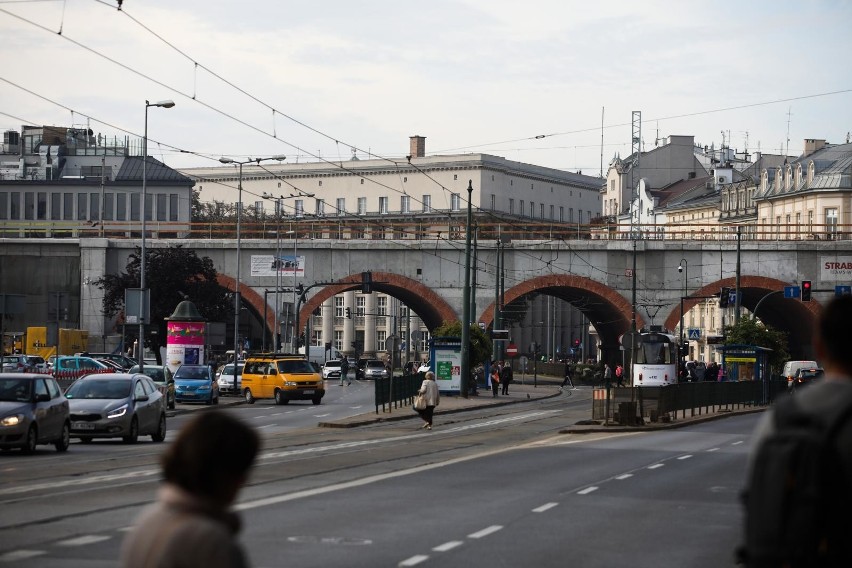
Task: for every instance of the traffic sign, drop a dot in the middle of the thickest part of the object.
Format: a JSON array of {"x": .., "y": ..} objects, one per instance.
[
  {"x": 842, "y": 290},
  {"x": 694, "y": 333},
  {"x": 511, "y": 350},
  {"x": 792, "y": 291}
]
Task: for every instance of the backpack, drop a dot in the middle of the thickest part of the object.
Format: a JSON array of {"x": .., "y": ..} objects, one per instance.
[{"x": 798, "y": 495}]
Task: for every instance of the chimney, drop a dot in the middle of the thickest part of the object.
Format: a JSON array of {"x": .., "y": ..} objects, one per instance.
[
  {"x": 418, "y": 146},
  {"x": 812, "y": 145}
]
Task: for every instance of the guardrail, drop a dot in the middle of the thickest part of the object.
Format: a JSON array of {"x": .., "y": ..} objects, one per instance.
[
  {"x": 396, "y": 392},
  {"x": 636, "y": 405}
]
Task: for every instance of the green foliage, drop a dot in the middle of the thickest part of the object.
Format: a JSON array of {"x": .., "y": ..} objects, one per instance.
[
  {"x": 169, "y": 272},
  {"x": 752, "y": 332},
  {"x": 480, "y": 344}
]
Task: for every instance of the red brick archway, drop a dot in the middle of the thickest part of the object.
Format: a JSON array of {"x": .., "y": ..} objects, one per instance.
[{"x": 607, "y": 309}]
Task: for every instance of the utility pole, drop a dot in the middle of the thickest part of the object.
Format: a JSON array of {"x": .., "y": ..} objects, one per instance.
[
  {"x": 465, "y": 331},
  {"x": 738, "y": 300}
]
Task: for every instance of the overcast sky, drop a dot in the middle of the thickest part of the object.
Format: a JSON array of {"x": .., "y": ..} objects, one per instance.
[{"x": 525, "y": 80}]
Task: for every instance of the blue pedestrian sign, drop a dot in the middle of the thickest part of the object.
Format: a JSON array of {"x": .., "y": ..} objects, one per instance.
[
  {"x": 842, "y": 290},
  {"x": 694, "y": 333},
  {"x": 792, "y": 291}
]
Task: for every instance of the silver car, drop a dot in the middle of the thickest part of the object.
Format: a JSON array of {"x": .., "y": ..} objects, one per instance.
[
  {"x": 32, "y": 411},
  {"x": 117, "y": 405},
  {"x": 228, "y": 384}
]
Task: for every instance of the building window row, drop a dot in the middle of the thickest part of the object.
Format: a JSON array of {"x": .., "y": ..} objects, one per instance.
[{"x": 86, "y": 205}]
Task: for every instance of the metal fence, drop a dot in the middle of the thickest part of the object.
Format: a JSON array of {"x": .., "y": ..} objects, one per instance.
[
  {"x": 395, "y": 392},
  {"x": 637, "y": 405}
]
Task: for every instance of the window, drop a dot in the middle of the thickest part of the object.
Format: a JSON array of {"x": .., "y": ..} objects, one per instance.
[
  {"x": 320, "y": 207},
  {"x": 82, "y": 206},
  {"x": 383, "y": 205},
  {"x": 338, "y": 340},
  {"x": 15, "y": 205},
  {"x": 455, "y": 202},
  {"x": 173, "y": 207},
  {"x": 4, "y": 205},
  {"x": 382, "y": 305},
  {"x": 109, "y": 199},
  {"x": 94, "y": 207},
  {"x": 299, "y": 208},
  {"x": 493, "y": 202},
  {"x": 427, "y": 203},
  {"x": 161, "y": 206},
  {"x": 381, "y": 338},
  {"x": 67, "y": 206},
  {"x": 149, "y": 207},
  {"x": 541, "y": 211},
  {"x": 831, "y": 221},
  {"x": 405, "y": 204},
  {"x": 134, "y": 206},
  {"x": 362, "y": 205},
  {"x": 341, "y": 205},
  {"x": 532, "y": 209},
  {"x": 521, "y": 208},
  {"x": 511, "y": 206},
  {"x": 55, "y": 206},
  {"x": 561, "y": 214},
  {"x": 29, "y": 205},
  {"x": 338, "y": 307},
  {"x": 612, "y": 185},
  {"x": 360, "y": 306}
]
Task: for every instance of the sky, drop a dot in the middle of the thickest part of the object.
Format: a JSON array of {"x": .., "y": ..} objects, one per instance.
[{"x": 550, "y": 83}]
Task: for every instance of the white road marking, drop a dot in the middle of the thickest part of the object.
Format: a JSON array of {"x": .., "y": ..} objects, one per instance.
[
  {"x": 485, "y": 532},
  {"x": 624, "y": 476},
  {"x": 414, "y": 560},
  {"x": 88, "y": 480},
  {"x": 656, "y": 465},
  {"x": 448, "y": 546},
  {"x": 264, "y": 426},
  {"x": 587, "y": 490},
  {"x": 544, "y": 507},
  {"x": 17, "y": 555},
  {"x": 321, "y": 415},
  {"x": 84, "y": 540},
  {"x": 713, "y": 450},
  {"x": 737, "y": 443},
  {"x": 686, "y": 457}
]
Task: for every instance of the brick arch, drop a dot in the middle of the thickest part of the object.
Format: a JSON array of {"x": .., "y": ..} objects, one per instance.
[
  {"x": 247, "y": 297},
  {"x": 795, "y": 317},
  {"x": 424, "y": 301},
  {"x": 608, "y": 310}
]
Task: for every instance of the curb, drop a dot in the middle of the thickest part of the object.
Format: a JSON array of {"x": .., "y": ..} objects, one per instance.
[{"x": 581, "y": 429}]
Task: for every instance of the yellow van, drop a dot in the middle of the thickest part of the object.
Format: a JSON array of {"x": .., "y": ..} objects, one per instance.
[{"x": 281, "y": 377}]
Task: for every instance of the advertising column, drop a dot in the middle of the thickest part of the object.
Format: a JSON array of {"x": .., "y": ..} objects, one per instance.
[{"x": 185, "y": 340}]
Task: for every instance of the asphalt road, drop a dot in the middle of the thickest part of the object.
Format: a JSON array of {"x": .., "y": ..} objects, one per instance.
[{"x": 488, "y": 487}]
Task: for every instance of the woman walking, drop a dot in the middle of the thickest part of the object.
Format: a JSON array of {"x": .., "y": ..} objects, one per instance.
[{"x": 429, "y": 390}]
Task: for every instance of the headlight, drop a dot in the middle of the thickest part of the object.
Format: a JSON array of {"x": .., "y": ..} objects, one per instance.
[
  {"x": 12, "y": 420},
  {"x": 118, "y": 412},
  {"x": 291, "y": 384},
  {"x": 205, "y": 387}
]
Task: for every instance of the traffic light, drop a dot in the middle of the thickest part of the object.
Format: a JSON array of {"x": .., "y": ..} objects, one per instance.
[
  {"x": 576, "y": 343},
  {"x": 366, "y": 282},
  {"x": 806, "y": 290},
  {"x": 724, "y": 296},
  {"x": 349, "y": 313}
]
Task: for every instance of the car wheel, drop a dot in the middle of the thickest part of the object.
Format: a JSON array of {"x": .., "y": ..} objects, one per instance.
[
  {"x": 160, "y": 434},
  {"x": 132, "y": 436},
  {"x": 31, "y": 440},
  {"x": 280, "y": 398},
  {"x": 64, "y": 440},
  {"x": 316, "y": 400},
  {"x": 249, "y": 397}
]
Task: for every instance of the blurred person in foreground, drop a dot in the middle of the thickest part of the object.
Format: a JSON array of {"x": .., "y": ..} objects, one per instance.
[{"x": 191, "y": 524}]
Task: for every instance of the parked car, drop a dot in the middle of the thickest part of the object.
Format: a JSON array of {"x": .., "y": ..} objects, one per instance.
[
  {"x": 196, "y": 383},
  {"x": 331, "y": 369},
  {"x": 78, "y": 363},
  {"x": 33, "y": 411},
  {"x": 23, "y": 364},
  {"x": 375, "y": 369},
  {"x": 115, "y": 367},
  {"x": 281, "y": 377},
  {"x": 228, "y": 382},
  {"x": 162, "y": 377},
  {"x": 805, "y": 376},
  {"x": 116, "y": 405},
  {"x": 123, "y": 360},
  {"x": 37, "y": 363}
]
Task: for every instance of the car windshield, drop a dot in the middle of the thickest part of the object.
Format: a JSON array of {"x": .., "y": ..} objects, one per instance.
[
  {"x": 199, "y": 372},
  {"x": 229, "y": 370},
  {"x": 295, "y": 366},
  {"x": 376, "y": 364},
  {"x": 99, "y": 388},
  {"x": 16, "y": 390},
  {"x": 332, "y": 363}
]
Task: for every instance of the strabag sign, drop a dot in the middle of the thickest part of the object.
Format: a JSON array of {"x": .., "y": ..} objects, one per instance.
[{"x": 835, "y": 268}]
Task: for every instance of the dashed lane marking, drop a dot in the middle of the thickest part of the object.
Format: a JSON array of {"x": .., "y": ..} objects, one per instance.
[
  {"x": 686, "y": 457},
  {"x": 448, "y": 546},
  {"x": 544, "y": 507},
  {"x": 485, "y": 532},
  {"x": 587, "y": 490},
  {"x": 414, "y": 560},
  {"x": 656, "y": 465},
  {"x": 17, "y": 555},
  {"x": 623, "y": 476},
  {"x": 84, "y": 540}
]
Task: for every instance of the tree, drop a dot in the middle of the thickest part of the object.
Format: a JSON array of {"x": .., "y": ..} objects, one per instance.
[
  {"x": 171, "y": 273},
  {"x": 752, "y": 332},
  {"x": 480, "y": 344}
]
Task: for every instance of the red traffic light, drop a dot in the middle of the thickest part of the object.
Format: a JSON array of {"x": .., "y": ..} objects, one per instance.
[{"x": 806, "y": 290}]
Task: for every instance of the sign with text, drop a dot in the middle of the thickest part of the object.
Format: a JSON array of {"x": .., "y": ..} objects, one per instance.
[
  {"x": 266, "y": 265},
  {"x": 835, "y": 267}
]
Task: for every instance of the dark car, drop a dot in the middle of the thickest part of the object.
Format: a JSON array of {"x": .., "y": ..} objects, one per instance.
[
  {"x": 33, "y": 411},
  {"x": 162, "y": 377},
  {"x": 196, "y": 383},
  {"x": 122, "y": 360},
  {"x": 117, "y": 405},
  {"x": 805, "y": 376}
]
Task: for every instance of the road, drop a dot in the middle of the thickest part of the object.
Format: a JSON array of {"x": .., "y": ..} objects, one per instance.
[{"x": 490, "y": 487}]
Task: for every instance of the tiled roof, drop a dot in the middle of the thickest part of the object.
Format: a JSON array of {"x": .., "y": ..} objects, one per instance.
[{"x": 131, "y": 170}]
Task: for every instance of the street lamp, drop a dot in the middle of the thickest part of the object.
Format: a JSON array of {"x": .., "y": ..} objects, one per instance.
[
  {"x": 294, "y": 339},
  {"x": 239, "y": 215},
  {"x": 145, "y": 298},
  {"x": 683, "y": 267}
]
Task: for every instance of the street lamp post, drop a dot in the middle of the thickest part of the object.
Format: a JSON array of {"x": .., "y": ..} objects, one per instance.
[
  {"x": 237, "y": 302},
  {"x": 145, "y": 298},
  {"x": 684, "y": 268},
  {"x": 294, "y": 339}
]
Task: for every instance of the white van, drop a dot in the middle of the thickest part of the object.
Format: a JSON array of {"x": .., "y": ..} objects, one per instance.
[{"x": 790, "y": 368}]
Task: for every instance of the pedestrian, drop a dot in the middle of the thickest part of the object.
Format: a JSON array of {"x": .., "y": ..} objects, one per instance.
[
  {"x": 619, "y": 375},
  {"x": 478, "y": 376},
  {"x": 495, "y": 378},
  {"x": 607, "y": 374},
  {"x": 190, "y": 524},
  {"x": 798, "y": 493},
  {"x": 344, "y": 371},
  {"x": 569, "y": 376},
  {"x": 506, "y": 376},
  {"x": 429, "y": 389}
]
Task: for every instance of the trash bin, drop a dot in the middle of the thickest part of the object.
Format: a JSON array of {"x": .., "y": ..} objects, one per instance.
[{"x": 627, "y": 413}]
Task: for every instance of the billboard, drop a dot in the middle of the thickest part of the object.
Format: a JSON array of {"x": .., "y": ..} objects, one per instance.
[{"x": 268, "y": 264}]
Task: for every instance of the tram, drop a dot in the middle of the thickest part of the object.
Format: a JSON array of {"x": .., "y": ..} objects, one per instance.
[{"x": 655, "y": 360}]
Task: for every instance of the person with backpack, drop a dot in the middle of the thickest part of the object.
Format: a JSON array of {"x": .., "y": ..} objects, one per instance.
[{"x": 799, "y": 487}]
